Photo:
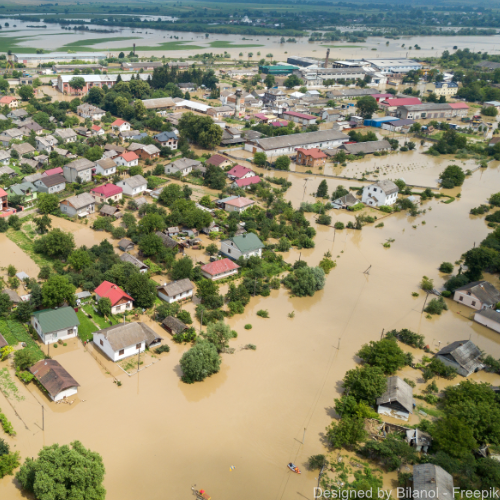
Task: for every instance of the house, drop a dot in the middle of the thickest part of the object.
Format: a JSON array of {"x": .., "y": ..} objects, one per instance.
[
  {"x": 173, "y": 325},
  {"x": 125, "y": 339},
  {"x": 239, "y": 204},
  {"x": 418, "y": 439},
  {"x": 83, "y": 131},
  {"x": 300, "y": 118},
  {"x": 9, "y": 101},
  {"x": 33, "y": 126},
  {"x": 110, "y": 211},
  {"x": 13, "y": 133},
  {"x": 161, "y": 103},
  {"x": 232, "y": 135},
  {"x": 431, "y": 481},
  {"x": 246, "y": 245},
  {"x": 80, "y": 205},
  {"x": 477, "y": 295},
  {"x": 219, "y": 161},
  {"x": 23, "y": 149},
  {"x": 9, "y": 172},
  {"x": 105, "y": 167},
  {"x": 240, "y": 172},
  {"x": 33, "y": 177},
  {"x": 167, "y": 240},
  {"x": 97, "y": 130},
  {"x": 127, "y": 159},
  {"x": 167, "y": 139},
  {"x": 5, "y": 158},
  {"x": 133, "y": 186},
  {"x": 125, "y": 244},
  {"x": 246, "y": 183},
  {"x": 135, "y": 135},
  {"x": 445, "y": 88},
  {"x": 330, "y": 115},
  {"x": 86, "y": 110},
  {"x": 66, "y": 135},
  {"x": 182, "y": 165},
  {"x": 489, "y": 318},
  {"x": 187, "y": 87},
  {"x": 286, "y": 144},
  {"x": 126, "y": 257},
  {"x": 26, "y": 190},
  {"x": 382, "y": 193},
  {"x": 463, "y": 355},
  {"x": 17, "y": 114},
  {"x": 219, "y": 269},
  {"x": 114, "y": 147},
  {"x": 52, "y": 171},
  {"x": 221, "y": 112},
  {"x": 172, "y": 231},
  {"x": 58, "y": 383},
  {"x": 79, "y": 169},
  {"x": 397, "y": 401},
  {"x": 391, "y": 105},
  {"x": 145, "y": 152},
  {"x": 369, "y": 147},
  {"x": 492, "y": 104},
  {"x": 403, "y": 126},
  {"x": 313, "y": 157},
  {"x": 55, "y": 324},
  {"x": 346, "y": 201},
  {"x": 120, "y": 125},
  {"x": 107, "y": 193},
  {"x": 51, "y": 183},
  {"x": 13, "y": 296},
  {"x": 120, "y": 301},
  {"x": 176, "y": 290}
]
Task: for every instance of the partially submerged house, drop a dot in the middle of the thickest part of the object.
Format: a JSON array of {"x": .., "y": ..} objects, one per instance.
[
  {"x": 58, "y": 383},
  {"x": 219, "y": 269},
  {"x": 489, "y": 318},
  {"x": 55, "y": 324},
  {"x": 80, "y": 205},
  {"x": 125, "y": 244},
  {"x": 397, "y": 401},
  {"x": 173, "y": 325},
  {"x": 176, "y": 290},
  {"x": 431, "y": 481},
  {"x": 381, "y": 193},
  {"x": 477, "y": 295},
  {"x": 126, "y": 339},
  {"x": 420, "y": 440},
  {"x": 126, "y": 257},
  {"x": 463, "y": 355},
  {"x": 346, "y": 201},
  {"x": 246, "y": 245}
]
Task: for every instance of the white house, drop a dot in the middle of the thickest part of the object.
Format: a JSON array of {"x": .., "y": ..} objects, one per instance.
[
  {"x": 58, "y": 383},
  {"x": 125, "y": 339},
  {"x": 120, "y": 301},
  {"x": 86, "y": 110},
  {"x": 66, "y": 135},
  {"x": 127, "y": 159},
  {"x": 50, "y": 183},
  {"x": 175, "y": 291},
  {"x": 79, "y": 169},
  {"x": 46, "y": 143},
  {"x": 182, "y": 165},
  {"x": 219, "y": 269},
  {"x": 379, "y": 194},
  {"x": 246, "y": 245},
  {"x": 477, "y": 295},
  {"x": 133, "y": 186},
  {"x": 120, "y": 125},
  {"x": 489, "y": 318},
  {"x": 105, "y": 167},
  {"x": 55, "y": 324},
  {"x": 80, "y": 204}
]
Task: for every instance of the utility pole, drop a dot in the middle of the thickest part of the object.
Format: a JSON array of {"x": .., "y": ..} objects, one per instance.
[
  {"x": 338, "y": 346},
  {"x": 201, "y": 320},
  {"x": 139, "y": 358},
  {"x": 43, "y": 418},
  {"x": 425, "y": 302},
  {"x": 304, "y": 435},
  {"x": 382, "y": 334}
]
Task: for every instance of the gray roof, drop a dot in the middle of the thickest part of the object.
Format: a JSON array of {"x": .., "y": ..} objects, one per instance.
[
  {"x": 161, "y": 102},
  {"x": 124, "y": 335},
  {"x": 126, "y": 257},
  {"x": 23, "y": 148},
  {"x": 108, "y": 210},
  {"x": 14, "y": 297},
  {"x": 397, "y": 390},
  {"x": 490, "y": 314},
  {"x": 176, "y": 287},
  {"x": 81, "y": 200},
  {"x": 52, "y": 180},
  {"x": 167, "y": 240},
  {"x": 124, "y": 244},
  {"x": 33, "y": 177},
  {"x": 296, "y": 140},
  {"x": 174, "y": 324},
  {"x": 80, "y": 164},
  {"x": 65, "y": 133},
  {"x": 388, "y": 187},
  {"x": 184, "y": 163},
  {"x": 429, "y": 478},
  {"x": 428, "y": 107},
  {"x": 135, "y": 181},
  {"x": 484, "y": 291},
  {"x": 366, "y": 147},
  {"x": 463, "y": 352},
  {"x": 348, "y": 200},
  {"x": 7, "y": 171},
  {"x": 83, "y": 295},
  {"x": 106, "y": 163}
]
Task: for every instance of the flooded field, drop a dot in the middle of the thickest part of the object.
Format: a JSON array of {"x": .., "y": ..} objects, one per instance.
[{"x": 159, "y": 436}]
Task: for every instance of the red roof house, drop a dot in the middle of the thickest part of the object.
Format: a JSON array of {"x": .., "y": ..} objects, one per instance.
[
  {"x": 458, "y": 105},
  {"x": 313, "y": 157},
  {"x": 219, "y": 269},
  {"x": 248, "y": 181},
  {"x": 403, "y": 101},
  {"x": 299, "y": 117},
  {"x": 239, "y": 204},
  {"x": 118, "y": 122},
  {"x": 107, "y": 192},
  {"x": 53, "y": 171},
  {"x": 127, "y": 159},
  {"x": 240, "y": 172},
  {"x": 120, "y": 301}
]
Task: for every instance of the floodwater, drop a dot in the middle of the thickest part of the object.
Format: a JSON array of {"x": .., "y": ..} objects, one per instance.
[
  {"x": 54, "y": 37},
  {"x": 158, "y": 436},
  {"x": 11, "y": 254}
]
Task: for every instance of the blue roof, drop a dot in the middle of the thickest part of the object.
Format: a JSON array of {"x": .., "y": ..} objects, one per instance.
[
  {"x": 450, "y": 84},
  {"x": 165, "y": 136},
  {"x": 384, "y": 119}
]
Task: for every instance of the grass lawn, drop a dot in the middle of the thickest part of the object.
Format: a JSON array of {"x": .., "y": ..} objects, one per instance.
[
  {"x": 86, "y": 328},
  {"x": 97, "y": 318}
]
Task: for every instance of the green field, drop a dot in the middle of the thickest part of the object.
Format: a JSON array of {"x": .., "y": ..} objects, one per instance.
[
  {"x": 87, "y": 44},
  {"x": 230, "y": 45},
  {"x": 11, "y": 43},
  {"x": 86, "y": 328}
]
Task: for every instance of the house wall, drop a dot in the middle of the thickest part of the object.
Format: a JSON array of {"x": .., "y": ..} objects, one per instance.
[
  {"x": 254, "y": 148},
  {"x": 71, "y": 174},
  {"x": 382, "y": 198},
  {"x": 229, "y": 249},
  {"x": 52, "y": 189},
  {"x": 51, "y": 337},
  {"x": 101, "y": 342},
  {"x": 489, "y": 323},
  {"x": 105, "y": 172},
  {"x": 219, "y": 276},
  {"x": 120, "y": 161},
  {"x": 169, "y": 169},
  {"x": 176, "y": 298},
  {"x": 391, "y": 412},
  {"x": 70, "y": 210},
  {"x": 462, "y": 297},
  {"x": 131, "y": 191},
  {"x": 102, "y": 199},
  {"x": 65, "y": 394}
]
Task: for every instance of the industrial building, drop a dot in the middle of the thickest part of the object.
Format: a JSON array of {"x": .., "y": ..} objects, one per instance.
[
  {"x": 278, "y": 69},
  {"x": 304, "y": 61},
  {"x": 57, "y": 57},
  {"x": 394, "y": 65}
]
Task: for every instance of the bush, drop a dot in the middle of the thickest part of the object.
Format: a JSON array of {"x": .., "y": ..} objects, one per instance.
[
  {"x": 446, "y": 267},
  {"x": 436, "y": 306},
  {"x": 263, "y": 313},
  {"x": 162, "y": 348},
  {"x": 446, "y": 293},
  {"x": 339, "y": 225},
  {"x": 386, "y": 355},
  {"x": 316, "y": 462},
  {"x": 248, "y": 326},
  {"x": 452, "y": 176},
  {"x": 201, "y": 361},
  {"x": 408, "y": 337},
  {"x": 386, "y": 209}
]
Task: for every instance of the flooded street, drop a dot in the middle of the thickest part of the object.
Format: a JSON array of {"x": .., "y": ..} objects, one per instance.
[{"x": 159, "y": 436}]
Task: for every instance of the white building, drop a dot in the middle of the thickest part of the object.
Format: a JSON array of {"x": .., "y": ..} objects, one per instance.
[
  {"x": 127, "y": 159},
  {"x": 58, "y": 383},
  {"x": 66, "y": 135},
  {"x": 80, "y": 205},
  {"x": 133, "y": 186},
  {"x": 477, "y": 295},
  {"x": 182, "y": 165},
  {"x": 46, "y": 143},
  {"x": 382, "y": 193},
  {"x": 219, "y": 269},
  {"x": 489, "y": 318},
  {"x": 79, "y": 169},
  {"x": 125, "y": 339},
  {"x": 175, "y": 291},
  {"x": 86, "y": 110},
  {"x": 120, "y": 301},
  {"x": 59, "y": 57},
  {"x": 105, "y": 167},
  {"x": 401, "y": 65},
  {"x": 55, "y": 324},
  {"x": 246, "y": 245},
  {"x": 120, "y": 125}
]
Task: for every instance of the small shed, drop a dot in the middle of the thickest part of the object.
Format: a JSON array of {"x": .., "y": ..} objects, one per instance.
[
  {"x": 397, "y": 401},
  {"x": 431, "y": 481},
  {"x": 22, "y": 276},
  {"x": 420, "y": 440},
  {"x": 13, "y": 295},
  {"x": 125, "y": 244},
  {"x": 173, "y": 325},
  {"x": 110, "y": 211},
  {"x": 55, "y": 379},
  {"x": 463, "y": 355}
]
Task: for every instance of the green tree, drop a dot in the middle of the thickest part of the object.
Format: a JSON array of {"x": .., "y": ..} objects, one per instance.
[
  {"x": 43, "y": 224},
  {"x": 454, "y": 437},
  {"x": 182, "y": 268},
  {"x": 94, "y": 153},
  {"x": 366, "y": 106},
  {"x": 56, "y": 290},
  {"x": 365, "y": 383},
  {"x": 24, "y": 311},
  {"x": 79, "y": 259},
  {"x": 47, "y": 203},
  {"x": 25, "y": 359},
  {"x": 259, "y": 159},
  {"x": 215, "y": 177},
  {"x": 392, "y": 451},
  {"x": 269, "y": 81},
  {"x": 452, "y": 176},
  {"x": 142, "y": 289},
  {"x": 219, "y": 335},
  {"x": 347, "y": 432},
  {"x": 4, "y": 85},
  {"x": 151, "y": 245},
  {"x": 55, "y": 243},
  {"x": 169, "y": 194},
  {"x": 212, "y": 249},
  {"x": 151, "y": 223},
  {"x": 282, "y": 162},
  {"x": 385, "y": 354},
  {"x": 477, "y": 260},
  {"x": 95, "y": 96},
  {"x": 8, "y": 463},
  {"x": 305, "y": 281},
  {"x": 63, "y": 472},
  {"x": 77, "y": 83},
  {"x": 5, "y": 303},
  {"x": 292, "y": 81},
  {"x": 201, "y": 361},
  {"x": 446, "y": 267},
  {"x": 26, "y": 92},
  {"x": 104, "y": 306},
  {"x": 322, "y": 191}
]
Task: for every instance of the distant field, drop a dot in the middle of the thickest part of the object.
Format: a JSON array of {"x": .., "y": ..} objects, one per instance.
[
  {"x": 230, "y": 45},
  {"x": 344, "y": 46},
  {"x": 168, "y": 46},
  {"x": 11, "y": 43},
  {"x": 87, "y": 43}
]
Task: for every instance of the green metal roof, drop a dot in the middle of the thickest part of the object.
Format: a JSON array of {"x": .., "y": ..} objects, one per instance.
[
  {"x": 247, "y": 242},
  {"x": 52, "y": 320},
  {"x": 21, "y": 188}
]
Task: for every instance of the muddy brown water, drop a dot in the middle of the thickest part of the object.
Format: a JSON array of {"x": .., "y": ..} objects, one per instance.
[{"x": 159, "y": 436}]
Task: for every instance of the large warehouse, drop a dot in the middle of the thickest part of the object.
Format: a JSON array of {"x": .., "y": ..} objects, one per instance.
[{"x": 56, "y": 57}]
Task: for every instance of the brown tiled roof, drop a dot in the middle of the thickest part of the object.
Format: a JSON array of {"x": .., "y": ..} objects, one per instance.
[{"x": 53, "y": 376}]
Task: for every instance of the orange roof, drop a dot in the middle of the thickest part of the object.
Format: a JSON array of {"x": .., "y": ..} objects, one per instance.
[
  {"x": 313, "y": 152},
  {"x": 129, "y": 156},
  {"x": 2, "y": 193},
  {"x": 118, "y": 122},
  {"x": 7, "y": 99},
  {"x": 113, "y": 292},
  {"x": 96, "y": 128},
  {"x": 240, "y": 202}
]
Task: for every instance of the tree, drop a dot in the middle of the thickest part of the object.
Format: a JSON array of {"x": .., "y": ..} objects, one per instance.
[
  {"x": 62, "y": 472},
  {"x": 454, "y": 437},
  {"x": 26, "y": 92},
  {"x": 427, "y": 284},
  {"x": 201, "y": 361},
  {"x": 142, "y": 289},
  {"x": 218, "y": 334},
  {"x": 5, "y": 303},
  {"x": 385, "y": 354},
  {"x": 366, "y": 106},
  {"x": 292, "y": 81},
  {"x": 260, "y": 159},
  {"x": 24, "y": 359},
  {"x": 269, "y": 81},
  {"x": 95, "y": 96},
  {"x": 322, "y": 191},
  {"x": 151, "y": 245},
  {"x": 94, "y": 153},
  {"x": 215, "y": 177},
  {"x": 4, "y": 85},
  {"x": 182, "y": 268},
  {"x": 77, "y": 83},
  {"x": 79, "y": 259},
  {"x": 365, "y": 383},
  {"x": 452, "y": 176},
  {"x": 201, "y": 130},
  {"x": 477, "y": 260},
  {"x": 55, "y": 243},
  {"x": 446, "y": 267},
  {"x": 151, "y": 223},
  {"x": 170, "y": 193},
  {"x": 43, "y": 224},
  {"x": 208, "y": 291},
  {"x": 282, "y": 162},
  {"x": 212, "y": 249},
  {"x": 15, "y": 222},
  {"x": 392, "y": 451},
  {"x": 47, "y": 203},
  {"x": 8, "y": 461},
  {"x": 56, "y": 290},
  {"x": 24, "y": 311},
  {"x": 305, "y": 281},
  {"x": 104, "y": 306},
  {"x": 347, "y": 432}
]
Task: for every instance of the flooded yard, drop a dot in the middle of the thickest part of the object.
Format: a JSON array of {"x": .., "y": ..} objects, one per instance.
[{"x": 252, "y": 414}]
